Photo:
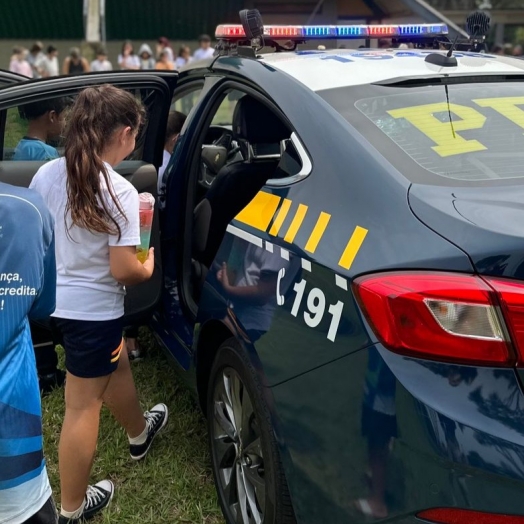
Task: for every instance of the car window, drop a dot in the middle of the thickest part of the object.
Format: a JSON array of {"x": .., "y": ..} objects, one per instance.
[
  {"x": 285, "y": 152},
  {"x": 185, "y": 100},
  {"x": 30, "y": 132},
  {"x": 464, "y": 131},
  {"x": 224, "y": 114}
]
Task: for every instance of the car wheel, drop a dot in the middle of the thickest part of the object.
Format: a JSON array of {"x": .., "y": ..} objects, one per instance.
[{"x": 248, "y": 473}]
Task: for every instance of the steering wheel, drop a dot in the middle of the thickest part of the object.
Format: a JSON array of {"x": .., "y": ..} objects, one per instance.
[{"x": 220, "y": 151}]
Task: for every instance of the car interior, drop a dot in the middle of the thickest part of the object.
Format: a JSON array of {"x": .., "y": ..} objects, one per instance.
[{"x": 237, "y": 162}]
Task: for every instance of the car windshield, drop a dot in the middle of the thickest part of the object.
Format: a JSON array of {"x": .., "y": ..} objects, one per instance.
[{"x": 432, "y": 133}]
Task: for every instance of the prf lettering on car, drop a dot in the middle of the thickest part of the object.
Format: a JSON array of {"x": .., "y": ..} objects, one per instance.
[{"x": 447, "y": 138}]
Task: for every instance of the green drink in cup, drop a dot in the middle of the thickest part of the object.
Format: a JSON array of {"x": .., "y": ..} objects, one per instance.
[{"x": 146, "y": 211}]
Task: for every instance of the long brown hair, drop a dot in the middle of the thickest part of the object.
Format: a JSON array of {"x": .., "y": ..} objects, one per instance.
[{"x": 95, "y": 116}]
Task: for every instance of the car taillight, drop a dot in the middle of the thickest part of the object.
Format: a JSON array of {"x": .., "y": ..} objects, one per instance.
[
  {"x": 465, "y": 516},
  {"x": 443, "y": 316},
  {"x": 511, "y": 298}
]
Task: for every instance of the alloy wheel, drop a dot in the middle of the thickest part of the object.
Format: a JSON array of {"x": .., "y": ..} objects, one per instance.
[{"x": 237, "y": 449}]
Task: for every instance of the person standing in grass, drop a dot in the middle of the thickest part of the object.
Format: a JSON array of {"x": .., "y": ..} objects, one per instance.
[
  {"x": 97, "y": 231},
  {"x": 28, "y": 284}
]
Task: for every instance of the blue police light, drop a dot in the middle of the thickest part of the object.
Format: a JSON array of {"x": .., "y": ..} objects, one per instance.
[{"x": 340, "y": 32}]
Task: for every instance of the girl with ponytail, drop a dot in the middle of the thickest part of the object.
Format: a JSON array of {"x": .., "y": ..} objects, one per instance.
[{"x": 97, "y": 231}]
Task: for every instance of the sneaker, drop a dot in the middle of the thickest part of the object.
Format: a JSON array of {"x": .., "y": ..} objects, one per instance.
[
  {"x": 135, "y": 355},
  {"x": 97, "y": 498},
  {"x": 156, "y": 419},
  {"x": 49, "y": 382}
]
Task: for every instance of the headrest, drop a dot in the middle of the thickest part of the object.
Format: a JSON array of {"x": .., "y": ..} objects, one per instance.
[{"x": 256, "y": 123}]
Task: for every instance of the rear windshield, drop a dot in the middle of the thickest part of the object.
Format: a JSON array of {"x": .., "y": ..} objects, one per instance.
[{"x": 467, "y": 132}]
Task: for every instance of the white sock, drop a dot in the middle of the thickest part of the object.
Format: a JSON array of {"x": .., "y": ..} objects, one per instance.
[
  {"x": 73, "y": 514},
  {"x": 140, "y": 439}
]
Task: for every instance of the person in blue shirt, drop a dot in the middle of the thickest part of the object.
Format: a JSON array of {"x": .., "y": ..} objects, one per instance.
[
  {"x": 27, "y": 291},
  {"x": 45, "y": 123}
]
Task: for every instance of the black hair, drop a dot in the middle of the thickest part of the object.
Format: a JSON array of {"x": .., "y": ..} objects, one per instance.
[
  {"x": 51, "y": 49},
  {"x": 204, "y": 38},
  {"x": 175, "y": 122},
  {"x": 37, "y": 109}
]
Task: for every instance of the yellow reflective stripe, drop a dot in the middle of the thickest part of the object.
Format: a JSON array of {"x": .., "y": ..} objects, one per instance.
[
  {"x": 281, "y": 216},
  {"x": 318, "y": 231},
  {"x": 297, "y": 222},
  {"x": 354, "y": 244},
  {"x": 259, "y": 212}
]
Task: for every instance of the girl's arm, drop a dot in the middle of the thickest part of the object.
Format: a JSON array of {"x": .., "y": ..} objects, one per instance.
[
  {"x": 126, "y": 268},
  {"x": 65, "y": 67}
]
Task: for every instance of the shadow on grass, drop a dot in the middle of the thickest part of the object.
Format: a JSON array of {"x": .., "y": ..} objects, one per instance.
[{"x": 174, "y": 482}]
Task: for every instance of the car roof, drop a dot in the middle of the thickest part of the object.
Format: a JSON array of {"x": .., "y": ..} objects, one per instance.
[{"x": 320, "y": 70}]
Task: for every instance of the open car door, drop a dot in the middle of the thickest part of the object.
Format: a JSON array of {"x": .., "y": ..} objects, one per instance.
[{"x": 140, "y": 168}]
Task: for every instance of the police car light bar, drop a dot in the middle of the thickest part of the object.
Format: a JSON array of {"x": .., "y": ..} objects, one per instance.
[{"x": 306, "y": 32}]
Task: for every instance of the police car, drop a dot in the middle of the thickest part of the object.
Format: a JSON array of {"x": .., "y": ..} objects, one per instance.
[{"x": 342, "y": 265}]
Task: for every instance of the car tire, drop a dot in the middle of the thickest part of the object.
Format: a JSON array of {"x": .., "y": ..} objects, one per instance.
[{"x": 248, "y": 472}]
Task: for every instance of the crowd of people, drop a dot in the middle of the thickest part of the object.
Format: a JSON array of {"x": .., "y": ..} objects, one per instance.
[{"x": 38, "y": 62}]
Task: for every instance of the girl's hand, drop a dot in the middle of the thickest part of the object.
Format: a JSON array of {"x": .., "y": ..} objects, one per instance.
[{"x": 149, "y": 264}]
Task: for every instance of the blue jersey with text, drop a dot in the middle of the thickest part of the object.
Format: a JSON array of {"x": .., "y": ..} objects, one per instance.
[{"x": 27, "y": 291}]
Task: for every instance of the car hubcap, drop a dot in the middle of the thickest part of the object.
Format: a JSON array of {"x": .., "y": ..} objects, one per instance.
[{"x": 238, "y": 450}]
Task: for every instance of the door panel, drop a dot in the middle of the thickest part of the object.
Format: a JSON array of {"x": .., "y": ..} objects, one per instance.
[{"x": 141, "y": 300}]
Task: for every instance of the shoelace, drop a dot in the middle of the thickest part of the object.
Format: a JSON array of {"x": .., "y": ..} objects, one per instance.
[
  {"x": 94, "y": 496},
  {"x": 152, "y": 417}
]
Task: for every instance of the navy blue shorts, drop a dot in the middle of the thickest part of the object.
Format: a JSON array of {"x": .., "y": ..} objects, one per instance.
[{"x": 92, "y": 347}]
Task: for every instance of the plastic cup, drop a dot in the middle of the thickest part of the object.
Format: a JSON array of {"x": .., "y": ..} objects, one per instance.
[{"x": 146, "y": 211}]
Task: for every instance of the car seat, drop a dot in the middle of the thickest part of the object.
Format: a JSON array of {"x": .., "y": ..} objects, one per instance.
[{"x": 257, "y": 129}]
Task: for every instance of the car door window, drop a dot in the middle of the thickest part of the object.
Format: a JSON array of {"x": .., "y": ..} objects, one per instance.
[
  {"x": 186, "y": 99},
  {"x": 30, "y": 132}
]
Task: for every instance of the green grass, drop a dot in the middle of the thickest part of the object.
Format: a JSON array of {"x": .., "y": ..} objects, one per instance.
[
  {"x": 15, "y": 128},
  {"x": 174, "y": 482}
]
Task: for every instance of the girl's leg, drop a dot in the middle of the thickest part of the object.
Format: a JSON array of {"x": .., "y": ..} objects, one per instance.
[
  {"x": 83, "y": 398},
  {"x": 121, "y": 398}
]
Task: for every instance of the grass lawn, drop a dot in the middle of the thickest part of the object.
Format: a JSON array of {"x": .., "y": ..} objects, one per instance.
[{"x": 174, "y": 482}]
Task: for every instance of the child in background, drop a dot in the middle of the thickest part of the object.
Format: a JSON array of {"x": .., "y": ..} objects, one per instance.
[
  {"x": 175, "y": 122},
  {"x": 127, "y": 58},
  {"x": 19, "y": 64},
  {"x": 45, "y": 122},
  {"x": 146, "y": 57},
  {"x": 184, "y": 57},
  {"x": 97, "y": 230},
  {"x": 101, "y": 63},
  {"x": 163, "y": 63}
]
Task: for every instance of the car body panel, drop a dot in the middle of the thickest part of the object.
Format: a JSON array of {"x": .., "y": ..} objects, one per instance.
[
  {"x": 484, "y": 221},
  {"x": 445, "y": 453}
]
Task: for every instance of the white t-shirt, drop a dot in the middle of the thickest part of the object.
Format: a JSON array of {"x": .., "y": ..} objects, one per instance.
[
  {"x": 49, "y": 66},
  {"x": 165, "y": 160},
  {"x": 85, "y": 288},
  {"x": 201, "y": 54},
  {"x": 129, "y": 61},
  {"x": 101, "y": 65}
]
